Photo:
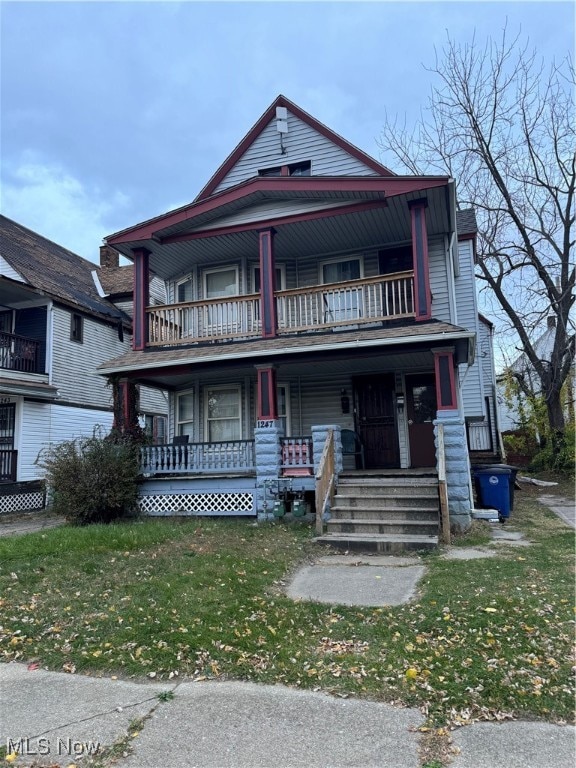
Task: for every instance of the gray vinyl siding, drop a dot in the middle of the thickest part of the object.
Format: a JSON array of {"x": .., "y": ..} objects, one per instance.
[
  {"x": 439, "y": 269},
  {"x": 302, "y": 143},
  {"x": 467, "y": 311},
  {"x": 43, "y": 424},
  {"x": 6, "y": 270},
  {"x": 74, "y": 365}
]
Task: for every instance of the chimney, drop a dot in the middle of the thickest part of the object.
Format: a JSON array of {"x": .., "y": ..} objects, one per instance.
[
  {"x": 109, "y": 257},
  {"x": 551, "y": 320}
]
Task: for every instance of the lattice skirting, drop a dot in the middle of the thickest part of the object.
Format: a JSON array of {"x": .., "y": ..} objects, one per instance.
[
  {"x": 21, "y": 502},
  {"x": 207, "y": 503}
]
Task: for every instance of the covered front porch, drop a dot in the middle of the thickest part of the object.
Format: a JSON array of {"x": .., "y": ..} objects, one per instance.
[{"x": 261, "y": 419}]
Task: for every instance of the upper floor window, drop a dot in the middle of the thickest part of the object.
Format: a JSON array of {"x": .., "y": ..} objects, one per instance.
[
  {"x": 221, "y": 282},
  {"x": 184, "y": 290},
  {"x": 294, "y": 169},
  {"x": 396, "y": 259},
  {"x": 345, "y": 302},
  {"x": 77, "y": 328}
]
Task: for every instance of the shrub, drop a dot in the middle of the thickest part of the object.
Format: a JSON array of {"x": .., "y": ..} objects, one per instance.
[
  {"x": 92, "y": 479},
  {"x": 557, "y": 454}
]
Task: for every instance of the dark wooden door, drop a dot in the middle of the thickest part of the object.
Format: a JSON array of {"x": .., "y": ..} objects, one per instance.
[
  {"x": 421, "y": 404},
  {"x": 376, "y": 420}
]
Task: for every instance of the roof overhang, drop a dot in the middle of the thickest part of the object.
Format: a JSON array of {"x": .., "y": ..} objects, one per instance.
[
  {"x": 167, "y": 361},
  {"x": 28, "y": 389}
]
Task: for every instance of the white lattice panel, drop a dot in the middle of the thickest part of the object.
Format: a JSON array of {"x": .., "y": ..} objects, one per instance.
[
  {"x": 20, "y": 502},
  {"x": 211, "y": 503}
]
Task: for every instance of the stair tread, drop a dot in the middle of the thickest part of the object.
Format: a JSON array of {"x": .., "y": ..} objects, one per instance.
[
  {"x": 385, "y": 508},
  {"x": 378, "y": 521},
  {"x": 409, "y": 537}
]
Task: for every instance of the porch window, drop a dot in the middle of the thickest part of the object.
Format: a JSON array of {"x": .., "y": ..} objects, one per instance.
[
  {"x": 184, "y": 290},
  {"x": 223, "y": 414},
  {"x": 222, "y": 283},
  {"x": 155, "y": 428},
  {"x": 283, "y": 397},
  {"x": 280, "y": 281},
  {"x": 185, "y": 414},
  {"x": 342, "y": 303},
  {"x": 397, "y": 259}
]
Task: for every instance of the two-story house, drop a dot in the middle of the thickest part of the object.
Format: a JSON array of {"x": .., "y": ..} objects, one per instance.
[
  {"x": 310, "y": 291},
  {"x": 57, "y": 324}
]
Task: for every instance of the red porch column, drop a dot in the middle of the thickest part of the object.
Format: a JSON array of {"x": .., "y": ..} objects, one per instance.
[
  {"x": 422, "y": 298},
  {"x": 125, "y": 407},
  {"x": 446, "y": 396},
  {"x": 267, "y": 399},
  {"x": 267, "y": 283},
  {"x": 141, "y": 297}
]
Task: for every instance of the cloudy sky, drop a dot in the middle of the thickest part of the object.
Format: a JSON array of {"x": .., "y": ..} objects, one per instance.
[{"x": 113, "y": 112}]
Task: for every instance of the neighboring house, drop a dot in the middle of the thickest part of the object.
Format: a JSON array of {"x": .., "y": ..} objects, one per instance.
[
  {"x": 309, "y": 288},
  {"x": 56, "y": 327},
  {"x": 511, "y": 404}
]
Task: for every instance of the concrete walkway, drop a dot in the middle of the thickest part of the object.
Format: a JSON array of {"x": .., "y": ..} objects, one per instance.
[
  {"x": 564, "y": 508},
  {"x": 56, "y": 719}
]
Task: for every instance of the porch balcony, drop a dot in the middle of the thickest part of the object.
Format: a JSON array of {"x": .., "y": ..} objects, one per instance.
[
  {"x": 318, "y": 307},
  {"x": 18, "y": 353}
]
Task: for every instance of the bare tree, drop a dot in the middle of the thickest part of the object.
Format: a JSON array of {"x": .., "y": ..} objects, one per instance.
[{"x": 503, "y": 125}]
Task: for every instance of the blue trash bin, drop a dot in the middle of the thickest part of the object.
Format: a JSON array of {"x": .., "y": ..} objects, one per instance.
[{"x": 493, "y": 489}]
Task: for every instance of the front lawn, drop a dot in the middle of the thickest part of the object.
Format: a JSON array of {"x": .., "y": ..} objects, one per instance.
[{"x": 203, "y": 598}]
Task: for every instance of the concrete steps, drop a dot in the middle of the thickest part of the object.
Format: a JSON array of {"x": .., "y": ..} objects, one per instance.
[{"x": 391, "y": 511}]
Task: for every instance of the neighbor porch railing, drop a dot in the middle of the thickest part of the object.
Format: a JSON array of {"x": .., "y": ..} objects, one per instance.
[
  {"x": 385, "y": 297},
  {"x": 325, "y": 481},
  {"x": 442, "y": 487},
  {"x": 213, "y": 458},
  {"x": 17, "y": 353},
  {"x": 8, "y": 466}
]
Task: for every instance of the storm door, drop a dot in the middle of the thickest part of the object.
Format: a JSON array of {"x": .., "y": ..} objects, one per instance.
[
  {"x": 377, "y": 422},
  {"x": 7, "y": 452},
  {"x": 421, "y": 404}
]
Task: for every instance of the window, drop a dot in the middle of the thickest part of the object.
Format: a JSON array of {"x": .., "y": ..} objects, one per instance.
[
  {"x": 280, "y": 278},
  {"x": 223, "y": 421},
  {"x": 342, "y": 303},
  {"x": 77, "y": 328},
  {"x": 185, "y": 414},
  {"x": 398, "y": 259},
  {"x": 283, "y": 397},
  {"x": 294, "y": 169},
  {"x": 221, "y": 282},
  {"x": 222, "y": 317},
  {"x": 155, "y": 428},
  {"x": 184, "y": 291}
]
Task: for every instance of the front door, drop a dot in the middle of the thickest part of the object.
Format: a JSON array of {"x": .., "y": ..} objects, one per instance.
[
  {"x": 421, "y": 404},
  {"x": 376, "y": 421}
]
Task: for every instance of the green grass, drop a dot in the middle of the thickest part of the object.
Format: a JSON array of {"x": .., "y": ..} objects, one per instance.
[{"x": 203, "y": 599}]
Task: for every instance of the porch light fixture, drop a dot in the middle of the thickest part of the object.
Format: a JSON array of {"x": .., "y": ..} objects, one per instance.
[
  {"x": 400, "y": 402},
  {"x": 344, "y": 402}
]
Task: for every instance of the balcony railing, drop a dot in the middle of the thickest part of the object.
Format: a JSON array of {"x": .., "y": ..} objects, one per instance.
[
  {"x": 235, "y": 456},
  {"x": 17, "y": 353},
  {"x": 385, "y": 297}
]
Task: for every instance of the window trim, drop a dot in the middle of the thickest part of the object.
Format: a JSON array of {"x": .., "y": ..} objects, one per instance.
[
  {"x": 221, "y": 387},
  {"x": 281, "y": 267},
  {"x": 340, "y": 260},
  {"x": 76, "y": 334},
  {"x": 288, "y": 415}
]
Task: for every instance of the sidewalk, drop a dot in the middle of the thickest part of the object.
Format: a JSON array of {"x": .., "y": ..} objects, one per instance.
[{"x": 241, "y": 725}]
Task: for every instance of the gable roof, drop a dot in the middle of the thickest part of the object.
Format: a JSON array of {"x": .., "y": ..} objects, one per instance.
[
  {"x": 262, "y": 122},
  {"x": 53, "y": 270}
]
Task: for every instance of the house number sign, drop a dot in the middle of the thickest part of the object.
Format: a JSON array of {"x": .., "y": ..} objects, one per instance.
[{"x": 265, "y": 423}]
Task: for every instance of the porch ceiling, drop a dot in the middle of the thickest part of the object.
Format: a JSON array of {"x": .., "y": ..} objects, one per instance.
[
  {"x": 409, "y": 344},
  {"x": 231, "y": 231}
]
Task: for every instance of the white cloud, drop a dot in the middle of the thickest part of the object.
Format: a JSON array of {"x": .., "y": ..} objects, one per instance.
[{"x": 50, "y": 201}]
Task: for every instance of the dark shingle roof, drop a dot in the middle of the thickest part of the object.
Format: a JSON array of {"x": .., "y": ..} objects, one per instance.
[
  {"x": 466, "y": 222},
  {"x": 117, "y": 280},
  {"x": 52, "y": 269}
]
